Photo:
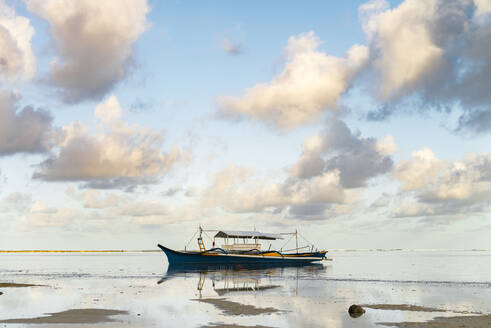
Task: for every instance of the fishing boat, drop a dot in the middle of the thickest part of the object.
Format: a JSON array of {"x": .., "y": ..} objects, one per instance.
[{"x": 243, "y": 248}]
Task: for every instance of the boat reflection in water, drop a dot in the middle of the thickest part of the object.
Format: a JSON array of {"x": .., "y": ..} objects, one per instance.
[
  {"x": 229, "y": 280},
  {"x": 238, "y": 284}
]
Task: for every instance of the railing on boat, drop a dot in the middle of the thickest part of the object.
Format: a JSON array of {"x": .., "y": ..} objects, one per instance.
[{"x": 246, "y": 246}]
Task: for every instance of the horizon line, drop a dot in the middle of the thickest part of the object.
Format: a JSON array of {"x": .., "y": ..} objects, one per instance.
[
  {"x": 78, "y": 251},
  {"x": 157, "y": 250}
]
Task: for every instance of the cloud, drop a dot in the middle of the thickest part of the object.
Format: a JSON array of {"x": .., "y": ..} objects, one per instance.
[
  {"x": 450, "y": 66},
  {"x": 172, "y": 191},
  {"x": 236, "y": 189},
  {"x": 382, "y": 201},
  {"x": 478, "y": 120},
  {"x": 325, "y": 181},
  {"x": 23, "y": 131},
  {"x": 96, "y": 199},
  {"x": 311, "y": 81},
  {"x": 16, "y": 57},
  {"x": 439, "y": 187},
  {"x": 117, "y": 155},
  {"x": 483, "y": 7},
  {"x": 142, "y": 209},
  {"x": 16, "y": 202},
  {"x": 151, "y": 212},
  {"x": 94, "y": 40},
  {"x": 140, "y": 106},
  {"x": 415, "y": 173},
  {"x": 393, "y": 34},
  {"x": 434, "y": 53},
  {"x": 28, "y": 213},
  {"x": 41, "y": 215},
  {"x": 357, "y": 159},
  {"x": 231, "y": 47}
]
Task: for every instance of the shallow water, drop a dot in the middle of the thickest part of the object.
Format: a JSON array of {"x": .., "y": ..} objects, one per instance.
[{"x": 313, "y": 296}]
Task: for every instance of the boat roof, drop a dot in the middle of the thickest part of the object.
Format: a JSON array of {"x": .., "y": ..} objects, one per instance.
[{"x": 247, "y": 234}]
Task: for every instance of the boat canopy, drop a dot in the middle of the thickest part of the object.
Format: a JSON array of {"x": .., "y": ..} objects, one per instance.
[{"x": 248, "y": 234}]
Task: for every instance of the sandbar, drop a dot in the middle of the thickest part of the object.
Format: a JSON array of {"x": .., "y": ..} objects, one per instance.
[
  {"x": 234, "y": 308},
  {"x": 402, "y": 307},
  {"x": 481, "y": 321},
  {"x": 73, "y": 316},
  {"x": 14, "y": 285},
  {"x": 230, "y": 325}
]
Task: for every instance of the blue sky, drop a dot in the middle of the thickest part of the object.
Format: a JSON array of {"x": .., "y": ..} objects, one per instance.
[{"x": 143, "y": 119}]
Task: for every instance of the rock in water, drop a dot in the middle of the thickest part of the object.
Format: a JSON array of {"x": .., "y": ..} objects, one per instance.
[{"x": 355, "y": 311}]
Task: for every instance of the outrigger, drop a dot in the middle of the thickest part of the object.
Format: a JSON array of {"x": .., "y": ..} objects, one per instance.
[{"x": 245, "y": 253}]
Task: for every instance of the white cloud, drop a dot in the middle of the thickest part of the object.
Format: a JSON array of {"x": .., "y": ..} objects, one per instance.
[
  {"x": 42, "y": 215},
  {"x": 16, "y": 202},
  {"x": 94, "y": 40},
  {"x": 142, "y": 208},
  {"x": 438, "y": 187},
  {"x": 148, "y": 212},
  {"x": 414, "y": 209},
  {"x": 386, "y": 146},
  {"x": 116, "y": 155},
  {"x": 415, "y": 173},
  {"x": 326, "y": 180},
  {"x": 483, "y": 7},
  {"x": 310, "y": 82},
  {"x": 23, "y": 131},
  {"x": 382, "y": 201},
  {"x": 92, "y": 198},
  {"x": 395, "y": 33},
  {"x": 370, "y": 13},
  {"x": 16, "y": 56},
  {"x": 436, "y": 51},
  {"x": 237, "y": 189}
]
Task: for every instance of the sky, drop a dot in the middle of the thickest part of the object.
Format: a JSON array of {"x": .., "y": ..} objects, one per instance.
[{"x": 128, "y": 123}]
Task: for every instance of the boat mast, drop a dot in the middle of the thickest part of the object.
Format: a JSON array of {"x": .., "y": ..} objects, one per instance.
[
  {"x": 200, "y": 240},
  {"x": 296, "y": 239}
]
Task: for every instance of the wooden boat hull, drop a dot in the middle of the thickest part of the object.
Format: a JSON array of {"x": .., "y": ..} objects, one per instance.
[{"x": 177, "y": 258}]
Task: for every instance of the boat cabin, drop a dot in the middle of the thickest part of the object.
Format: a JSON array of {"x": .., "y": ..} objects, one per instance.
[{"x": 244, "y": 240}]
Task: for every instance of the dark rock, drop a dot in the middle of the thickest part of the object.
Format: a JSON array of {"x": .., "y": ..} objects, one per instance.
[{"x": 355, "y": 311}]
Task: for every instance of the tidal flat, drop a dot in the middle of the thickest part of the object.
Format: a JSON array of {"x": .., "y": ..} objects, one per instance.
[{"x": 136, "y": 289}]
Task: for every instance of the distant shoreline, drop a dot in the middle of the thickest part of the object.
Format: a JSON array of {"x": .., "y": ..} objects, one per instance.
[
  {"x": 80, "y": 251},
  {"x": 156, "y": 250}
]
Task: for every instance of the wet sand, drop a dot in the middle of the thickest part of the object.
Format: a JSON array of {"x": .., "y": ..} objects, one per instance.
[
  {"x": 414, "y": 308},
  {"x": 225, "y": 325},
  {"x": 402, "y": 307},
  {"x": 234, "y": 308},
  {"x": 482, "y": 321},
  {"x": 74, "y": 316},
  {"x": 13, "y": 285}
]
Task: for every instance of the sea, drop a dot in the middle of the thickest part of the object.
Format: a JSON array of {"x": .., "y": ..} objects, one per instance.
[{"x": 136, "y": 289}]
